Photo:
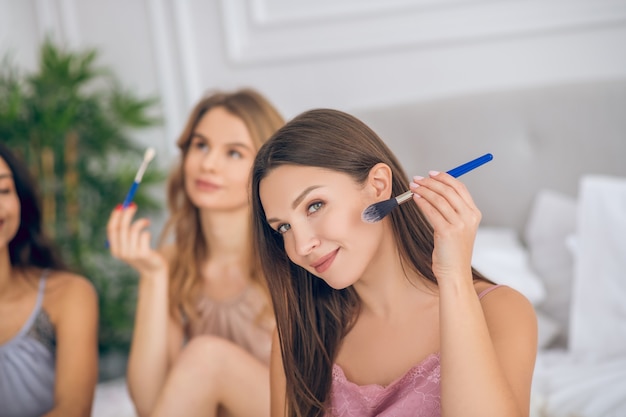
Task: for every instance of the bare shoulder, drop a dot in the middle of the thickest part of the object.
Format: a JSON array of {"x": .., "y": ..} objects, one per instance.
[
  {"x": 507, "y": 310},
  {"x": 501, "y": 294},
  {"x": 66, "y": 289},
  {"x": 70, "y": 282}
]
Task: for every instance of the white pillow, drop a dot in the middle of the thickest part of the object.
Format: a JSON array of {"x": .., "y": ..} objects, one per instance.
[
  {"x": 500, "y": 256},
  {"x": 551, "y": 222},
  {"x": 598, "y": 308}
]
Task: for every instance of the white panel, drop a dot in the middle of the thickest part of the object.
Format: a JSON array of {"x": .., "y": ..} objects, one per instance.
[
  {"x": 188, "y": 49},
  {"x": 69, "y": 23},
  {"x": 122, "y": 32},
  {"x": 264, "y": 31},
  {"x": 19, "y": 33},
  {"x": 58, "y": 20},
  {"x": 47, "y": 18},
  {"x": 345, "y": 54},
  {"x": 168, "y": 71}
]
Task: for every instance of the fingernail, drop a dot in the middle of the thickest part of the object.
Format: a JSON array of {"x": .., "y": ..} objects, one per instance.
[
  {"x": 132, "y": 205},
  {"x": 118, "y": 207},
  {"x": 413, "y": 185},
  {"x": 417, "y": 178},
  {"x": 433, "y": 173}
]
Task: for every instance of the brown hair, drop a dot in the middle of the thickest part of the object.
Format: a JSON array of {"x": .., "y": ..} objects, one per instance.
[
  {"x": 312, "y": 318},
  {"x": 261, "y": 120}
]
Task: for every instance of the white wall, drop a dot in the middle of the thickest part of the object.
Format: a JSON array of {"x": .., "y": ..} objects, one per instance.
[{"x": 347, "y": 54}]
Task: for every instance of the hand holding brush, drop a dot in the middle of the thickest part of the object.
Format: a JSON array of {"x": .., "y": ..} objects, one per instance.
[
  {"x": 147, "y": 157},
  {"x": 378, "y": 211}
]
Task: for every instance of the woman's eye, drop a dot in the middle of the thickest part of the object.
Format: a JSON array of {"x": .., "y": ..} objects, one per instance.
[
  {"x": 283, "y": 228},
  {"x": 199, "y": 144},
  {"x": 235, "y": 154},
  {"x": 315, "y": 207},
  {"x": 5, "y": 190}
]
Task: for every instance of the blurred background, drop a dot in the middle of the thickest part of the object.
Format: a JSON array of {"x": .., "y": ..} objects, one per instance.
[{"x": 102, "y": 80}]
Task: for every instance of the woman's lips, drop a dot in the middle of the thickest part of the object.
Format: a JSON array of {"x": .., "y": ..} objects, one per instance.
[
  {"x": 325, "y": 262},
  {"x": 206, "y": 186}
]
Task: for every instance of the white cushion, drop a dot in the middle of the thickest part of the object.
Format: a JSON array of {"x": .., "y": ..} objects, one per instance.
[
  {"x": 501, "y": 257},
  {"x": 551, "y": 222},
  {"x": 598, "y": 308},
  {"x": 112, "y": 399}
]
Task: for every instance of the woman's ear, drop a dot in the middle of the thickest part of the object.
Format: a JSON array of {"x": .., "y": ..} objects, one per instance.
[{"x": 379, "y": 181}]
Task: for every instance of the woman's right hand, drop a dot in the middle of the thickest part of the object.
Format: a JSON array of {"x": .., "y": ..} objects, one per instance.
[{"x": 130, "y": 242}]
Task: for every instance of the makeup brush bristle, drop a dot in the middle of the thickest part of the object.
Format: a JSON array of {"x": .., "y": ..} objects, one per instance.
[
  {"x": 378, "y": 211},
  {"x": 147, "y": 157},
  {"x": 149, "y": 154}
]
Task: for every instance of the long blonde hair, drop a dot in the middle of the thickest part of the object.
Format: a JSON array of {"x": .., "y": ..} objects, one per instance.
[{"x": 190, "y": 248}]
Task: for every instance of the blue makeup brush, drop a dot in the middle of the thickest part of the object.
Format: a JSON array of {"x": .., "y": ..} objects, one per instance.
[
  {"x": 147, "y": 157},
  {"x": 379, "y": 210}
]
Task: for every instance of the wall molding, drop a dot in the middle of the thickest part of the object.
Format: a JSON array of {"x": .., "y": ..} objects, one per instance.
[
  {"x": 261, "y": 31},
  {"x": 167, "y": 67},
  {"x": 58, "y": 18},
  {"x": 47, "y": 17},
  {"x": 188, "y": 48},
  {"x": 69, "y": 23}
]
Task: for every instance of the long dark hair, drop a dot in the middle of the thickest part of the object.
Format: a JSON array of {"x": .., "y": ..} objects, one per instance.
[
  {"x": 312, "y": 318},
  {"x": 30, "y": 246}
]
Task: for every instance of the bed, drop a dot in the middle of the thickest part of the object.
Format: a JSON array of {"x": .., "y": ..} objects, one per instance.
[
  {"x": 554, "y": 224},
  {"x": 554, "y": 219}
]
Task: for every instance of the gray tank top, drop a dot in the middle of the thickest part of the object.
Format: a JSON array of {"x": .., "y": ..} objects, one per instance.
[{"x": 27, "y": 365}]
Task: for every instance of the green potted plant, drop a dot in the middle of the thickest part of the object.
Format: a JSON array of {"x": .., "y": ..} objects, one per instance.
[{"x": 72, "y": 122}]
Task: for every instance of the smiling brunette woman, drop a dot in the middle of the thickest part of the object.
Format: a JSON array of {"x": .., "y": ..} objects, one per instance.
[{"x": 386, "y": 318}]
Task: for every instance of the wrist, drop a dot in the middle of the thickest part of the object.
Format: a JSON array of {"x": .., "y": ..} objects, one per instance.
[
  {"x": 457, "y": 283},
  {"x": 155, "y": 276}
]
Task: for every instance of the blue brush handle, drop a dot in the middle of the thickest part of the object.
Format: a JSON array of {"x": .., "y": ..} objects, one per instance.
[
  {"x": 131, "y": 194},
  {"x": 468, "y": 166},
  {"x": 129, "y": 199}
]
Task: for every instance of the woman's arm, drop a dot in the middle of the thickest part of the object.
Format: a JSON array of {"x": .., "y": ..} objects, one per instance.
[
  {"x": 487, "y": 351},
  {"x": 278, "y": 383},
  {"x": 157, "y": 337},
  {"x": 74, "y": 313},
  {"x": 157, "y": 340}
]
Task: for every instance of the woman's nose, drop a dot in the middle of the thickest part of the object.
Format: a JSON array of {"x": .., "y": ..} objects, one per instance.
[
  {"x": 305, "y": 240},
  {"x": 210, "y": 160}
]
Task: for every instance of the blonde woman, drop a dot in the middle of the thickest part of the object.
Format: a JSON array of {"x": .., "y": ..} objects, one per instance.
[{"x": 204, "y": 321}]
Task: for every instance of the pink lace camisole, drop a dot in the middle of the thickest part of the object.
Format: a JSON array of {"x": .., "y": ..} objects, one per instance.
[{"x": 415, "y": 394}]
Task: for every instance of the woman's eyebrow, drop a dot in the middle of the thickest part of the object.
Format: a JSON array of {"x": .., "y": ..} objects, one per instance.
[
  {"x": 234, "y": 144},
  {"x": 302, "y": 195},
  {"x": 200, "y": 135},
  {"x": 297, "y": 200}
]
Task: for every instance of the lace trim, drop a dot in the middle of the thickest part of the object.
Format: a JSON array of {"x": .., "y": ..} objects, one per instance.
[{"x": 42, "y": 330}]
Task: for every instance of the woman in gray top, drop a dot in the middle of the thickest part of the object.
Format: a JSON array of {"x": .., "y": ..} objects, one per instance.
[{"x": 49, "y": 317}]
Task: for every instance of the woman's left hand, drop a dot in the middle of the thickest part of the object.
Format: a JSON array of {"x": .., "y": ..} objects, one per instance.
[{"x": 451, "y": 211}]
